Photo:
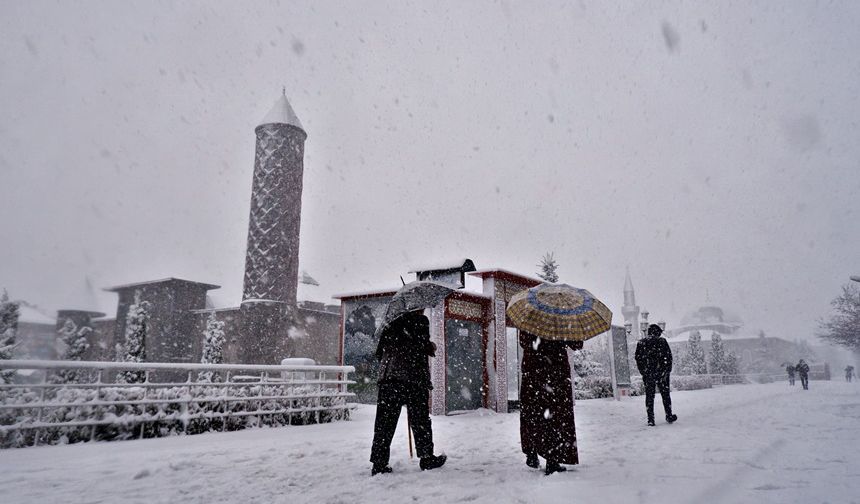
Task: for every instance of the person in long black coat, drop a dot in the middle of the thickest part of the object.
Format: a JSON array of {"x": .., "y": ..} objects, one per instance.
[
  {"x": 404, "y": 380},
  {"x": 803, "y": 372},
  {"x": 546, "y": 403},
  {"x": 654, "y": 360}
]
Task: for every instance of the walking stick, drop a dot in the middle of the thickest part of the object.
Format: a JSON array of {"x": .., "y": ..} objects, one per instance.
[{"x": 409, "y": 434}]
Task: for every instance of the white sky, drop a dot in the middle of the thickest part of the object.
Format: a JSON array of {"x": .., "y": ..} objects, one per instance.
[{"x": 709, "y": 146}]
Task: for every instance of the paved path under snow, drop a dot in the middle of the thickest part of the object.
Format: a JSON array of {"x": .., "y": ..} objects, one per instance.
[{"x": 743, "y": 443}]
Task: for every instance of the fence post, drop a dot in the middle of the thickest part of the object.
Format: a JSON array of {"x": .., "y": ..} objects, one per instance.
[
  {"x": 40, "y": 408},
  {"x": 97, "y": 399}
]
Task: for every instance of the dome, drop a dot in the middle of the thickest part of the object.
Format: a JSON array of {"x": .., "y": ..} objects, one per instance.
[
  {"x": 705, "y": 315},
  {"x": 708, "y": 318}
]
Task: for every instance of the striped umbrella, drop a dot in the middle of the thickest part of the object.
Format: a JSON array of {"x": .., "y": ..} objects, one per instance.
[{"x": 559, "y": 312}]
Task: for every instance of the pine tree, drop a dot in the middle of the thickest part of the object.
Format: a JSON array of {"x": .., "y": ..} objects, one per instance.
[
  {"x": 8, "y": 333},
  {"x": 548, "y": 268},
  {"x": 731, "y": 364},
  {"x": 718, "y": 354},
  {"x": 134, "y": 349},
  {"x": 76, "y": 345},
  {"x": 696, "y": 354},
  {"x": 213, "y": 349}
]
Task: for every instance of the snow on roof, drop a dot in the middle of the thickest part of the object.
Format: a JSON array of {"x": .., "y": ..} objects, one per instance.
[
  {"x": 282, "y": 113},
  {"x": 503, "y": 272},
  {"x": 367, "y": 293},
  {"x": 443, "y": 265},
  {"x": 31, "y": 315},
  {"x": 162, "y": 280}
]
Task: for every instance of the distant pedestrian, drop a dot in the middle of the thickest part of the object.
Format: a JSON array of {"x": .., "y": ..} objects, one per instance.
[
  {"x": 546, "y": 403},
  {"x": 803, "y": 370},
  {"x": 790, "y": 370},
  {"x": 654, "y": 360},
  {"x": 404, "y": 380},
  {"x": 849, "y": 373}
]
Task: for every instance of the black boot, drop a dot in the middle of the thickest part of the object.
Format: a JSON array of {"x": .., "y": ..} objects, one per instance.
[
  {"x": 380, "y": 469},
  {"x": 432, "y": 462},
  {"x": 670, "y": 418},
  {"x": 651, "y": 422},
  {"x": 554, "y": 467},
  {"x": 532, "y": 460}
]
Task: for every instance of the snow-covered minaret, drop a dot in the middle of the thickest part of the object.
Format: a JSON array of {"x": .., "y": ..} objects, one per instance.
[
  {"x": 272, "y": 257},
  {"x": 629, "y": 310}
]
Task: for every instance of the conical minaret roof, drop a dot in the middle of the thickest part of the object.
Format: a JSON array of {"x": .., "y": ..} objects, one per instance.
[
  {"x": 629, "y": 295},
  {"x": 282, "y": 113}
]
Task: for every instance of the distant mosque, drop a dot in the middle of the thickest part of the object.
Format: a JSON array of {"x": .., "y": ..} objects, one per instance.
[{"x": 757, "y": 353}]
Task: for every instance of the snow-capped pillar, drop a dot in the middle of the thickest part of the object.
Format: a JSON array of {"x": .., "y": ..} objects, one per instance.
[
  {"x": 501, "y": 345},
  {"x": 272, "y": 256},
  {"x": 437, "y": 363}
]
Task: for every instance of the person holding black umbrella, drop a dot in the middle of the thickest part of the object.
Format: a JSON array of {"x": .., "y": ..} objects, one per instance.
[{"x": 404, "y": 380}]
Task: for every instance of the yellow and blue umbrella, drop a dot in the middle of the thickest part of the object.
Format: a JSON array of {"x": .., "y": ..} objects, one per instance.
[{"x": 559, "y": 312}]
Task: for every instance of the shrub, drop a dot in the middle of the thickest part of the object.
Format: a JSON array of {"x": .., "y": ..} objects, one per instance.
[{"x": 593, "y": 387}]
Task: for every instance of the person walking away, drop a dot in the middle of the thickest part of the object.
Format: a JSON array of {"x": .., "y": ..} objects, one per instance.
[
  {"x": 803, "y": 371},
  {"x": 546, "y": 403},
  {"x": 789, "y": 369},
  {"x": 404, "y": 380},
  {"x": 849, "y": 373},
  {"x": 654, "y": 360}
]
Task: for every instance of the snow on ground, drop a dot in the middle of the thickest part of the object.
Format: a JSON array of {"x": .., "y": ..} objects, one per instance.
[{"x": 741, "y": 443}]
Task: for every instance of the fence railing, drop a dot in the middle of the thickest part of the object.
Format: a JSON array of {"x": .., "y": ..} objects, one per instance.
[{"x": 77, "y": 401}]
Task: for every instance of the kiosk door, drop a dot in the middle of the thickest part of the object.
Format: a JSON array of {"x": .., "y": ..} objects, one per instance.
[{"x": 464, "y": 365}]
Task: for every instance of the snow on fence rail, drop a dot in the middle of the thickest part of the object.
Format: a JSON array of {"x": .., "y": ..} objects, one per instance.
[{"x": 81, "y": 401}]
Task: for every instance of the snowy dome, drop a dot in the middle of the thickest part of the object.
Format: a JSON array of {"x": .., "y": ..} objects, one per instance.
[
  {"x": 705, "y": 315},
  {"x": 707, "y": 318},
  {"x": 282, "y": 113}
]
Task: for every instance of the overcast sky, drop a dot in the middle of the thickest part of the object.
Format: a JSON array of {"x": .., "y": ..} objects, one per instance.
[{"x": 711, "y": 147}]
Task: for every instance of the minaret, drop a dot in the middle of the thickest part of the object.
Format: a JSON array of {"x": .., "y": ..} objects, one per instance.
[
  {"x": 630, "y": 311},
  {"x": 272, "y": 258}
]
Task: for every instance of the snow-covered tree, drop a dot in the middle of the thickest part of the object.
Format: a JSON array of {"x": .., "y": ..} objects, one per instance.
[
  {"x": 586, "y": 363},
  {"x": 213, "y": 348},
  {"x": 695, "y": 356},
  {"x": 76, "y": 345},
  {"x": 548, "y": 268},
  {"x": 8, "y": 333},
  {"x": 718, "y": 354},
  {"x": 134, "y": 348},
  {"x": 731, "y": 364},
  {"x": 843, "y": 326}
]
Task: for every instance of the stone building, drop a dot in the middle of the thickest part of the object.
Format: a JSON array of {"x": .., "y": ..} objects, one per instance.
[{"x": 269, "y": 324}]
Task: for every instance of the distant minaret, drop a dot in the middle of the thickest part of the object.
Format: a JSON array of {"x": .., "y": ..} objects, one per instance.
[
  {"x": 630, "y": 311},
  {"x": 272, "y": 260}
]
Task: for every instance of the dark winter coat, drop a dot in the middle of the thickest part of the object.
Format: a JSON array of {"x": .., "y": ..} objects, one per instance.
[
  {"x": 790, "y": 370},
  {"x": 403, "y": 350},
  {"x": 546, "y": 399},
  {"x": 653, "y": 357},
  {"x": 802, "y": 369}
]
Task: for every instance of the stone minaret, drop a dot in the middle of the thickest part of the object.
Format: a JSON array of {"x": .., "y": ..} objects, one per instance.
[
  {"x": 268, "y": 308},
  {"x": 630, "y": 310},
  {"x": 272, "y": 260}
]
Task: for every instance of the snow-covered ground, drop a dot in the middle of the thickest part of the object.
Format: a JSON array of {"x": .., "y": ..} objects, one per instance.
[{"x": 742, "y": 443}]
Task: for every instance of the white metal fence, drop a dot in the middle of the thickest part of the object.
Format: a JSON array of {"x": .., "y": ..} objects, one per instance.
[{"x": 78, "y": 401}]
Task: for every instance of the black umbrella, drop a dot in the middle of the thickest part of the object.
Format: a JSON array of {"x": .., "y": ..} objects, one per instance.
[{"x": 411, "y": 297}]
